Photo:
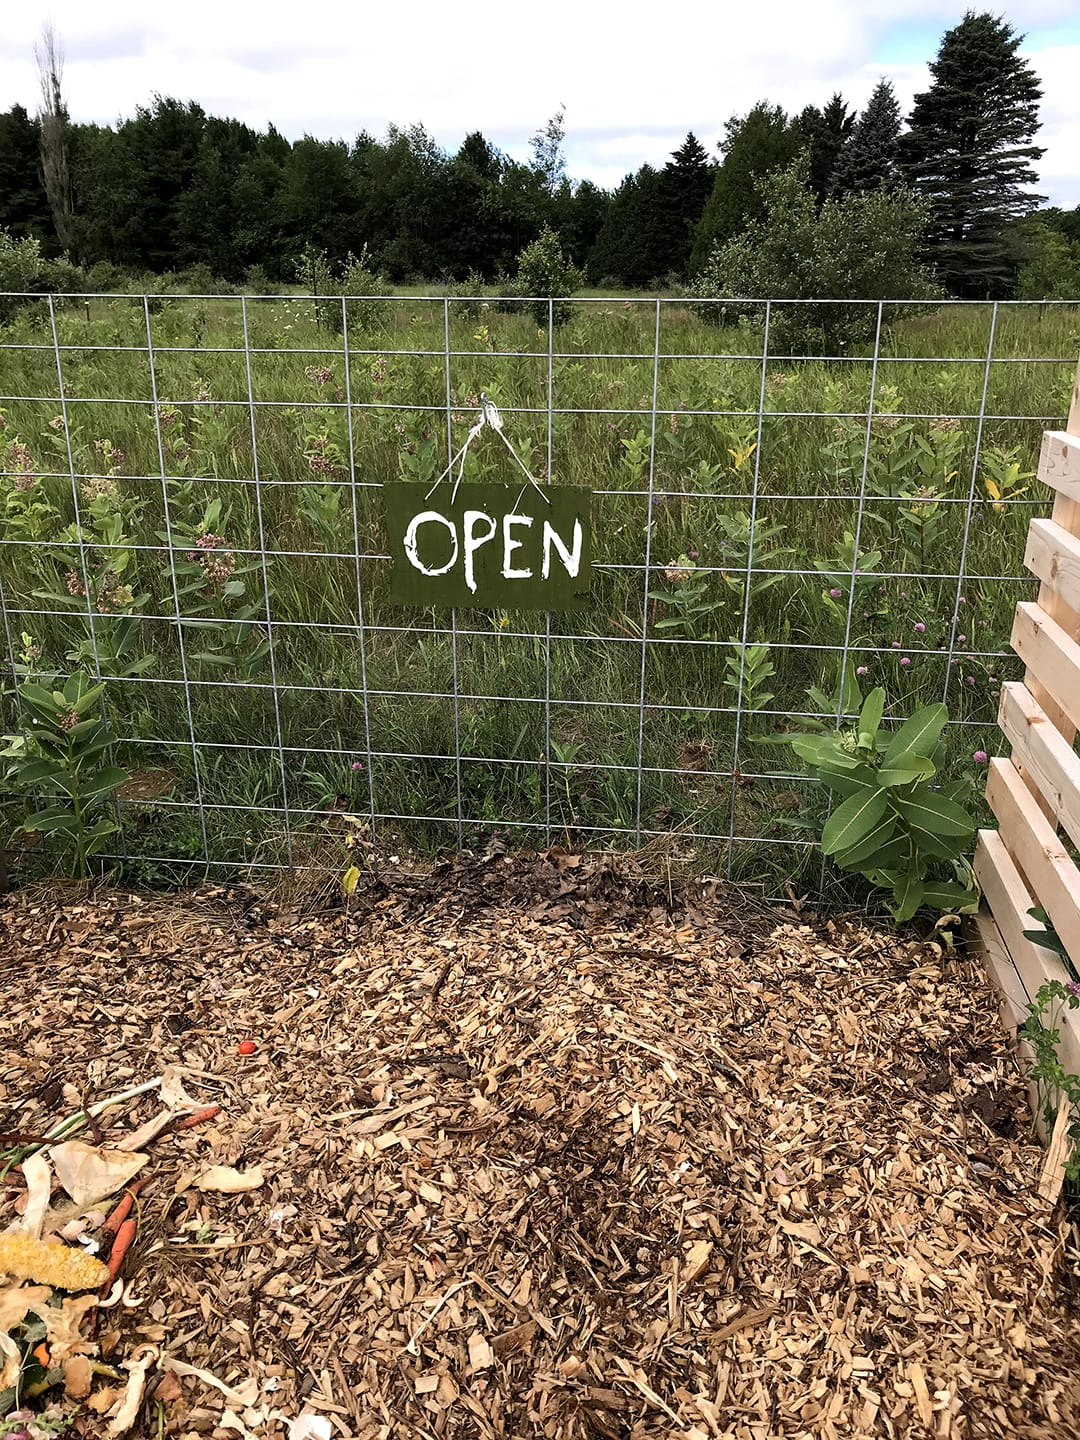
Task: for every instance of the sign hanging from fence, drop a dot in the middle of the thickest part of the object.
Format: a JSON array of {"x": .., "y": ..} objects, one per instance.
[{"x": 504, "y": 547}]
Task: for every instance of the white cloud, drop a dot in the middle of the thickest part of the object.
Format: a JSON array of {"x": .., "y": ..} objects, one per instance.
[{"x": 633, "y": 80}]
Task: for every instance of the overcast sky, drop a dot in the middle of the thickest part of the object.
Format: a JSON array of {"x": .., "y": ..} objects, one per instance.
[{"x": 633, "y": 78}]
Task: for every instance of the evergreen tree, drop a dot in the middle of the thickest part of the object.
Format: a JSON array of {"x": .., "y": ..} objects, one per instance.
[
  {"x": 686, "y": 182},
  {"x": 968, "y": 151},
  {"x": 825, "y": 134},
  {"x": 868, "y": 160},
  {"x": 755, "y": 144},
  {"x": 584, "y": 221},
  {"x": 24, "y": 206},
  {"x": 631, "y": 248}
]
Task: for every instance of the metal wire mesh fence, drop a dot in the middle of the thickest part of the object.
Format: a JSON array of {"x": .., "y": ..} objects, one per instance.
[{"x": 192, "y": 515}]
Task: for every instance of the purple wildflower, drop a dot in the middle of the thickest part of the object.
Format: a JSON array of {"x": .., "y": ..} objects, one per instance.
[{"x": 980, "y": 757}]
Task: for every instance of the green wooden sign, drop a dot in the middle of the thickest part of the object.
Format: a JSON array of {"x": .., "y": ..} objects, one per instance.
[{"x": 496, "y": 547}]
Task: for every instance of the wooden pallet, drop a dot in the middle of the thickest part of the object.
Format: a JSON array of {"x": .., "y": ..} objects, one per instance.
[{"x": 1035, "y": 796}]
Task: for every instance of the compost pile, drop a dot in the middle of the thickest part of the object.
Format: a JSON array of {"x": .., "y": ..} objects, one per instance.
[{"x": 529, "y": 1149}]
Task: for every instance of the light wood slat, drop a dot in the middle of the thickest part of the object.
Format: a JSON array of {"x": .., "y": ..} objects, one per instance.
[
  {"x": 1012, "y": 997},
  {"x": 1053, "y": 555},
  {"x": 1059, "y": 462},
  {"x": 1042, "y": 753},
  {"x": 1032, "y": 842},
  {"x": 1067, "y": 515},
  {"x": 1053, "y": 661},
  {"x": 1009, "y": 902}
]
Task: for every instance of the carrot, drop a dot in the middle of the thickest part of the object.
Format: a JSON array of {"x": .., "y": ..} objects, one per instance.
[
  {"x": 197, "y": 1117},
  {"x": 123, "y": 1208},
  {"x": 120, "y": 1247}
]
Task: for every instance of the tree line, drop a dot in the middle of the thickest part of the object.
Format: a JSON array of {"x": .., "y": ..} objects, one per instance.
[{"x": 173, "y": 188}]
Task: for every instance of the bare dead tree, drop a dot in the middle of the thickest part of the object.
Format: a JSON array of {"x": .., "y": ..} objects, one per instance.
[{"x": 49, "y": 55}]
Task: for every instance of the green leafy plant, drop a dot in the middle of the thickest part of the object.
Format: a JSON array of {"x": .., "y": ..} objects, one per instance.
[
  {"x": 1003, "y": 477},
  {"x": 891, "y": 824},
  {"x": 1053, "y": 1082},
  {"x": 214, "y": 593},
  {"x": 61, "y": 757},
  {"x": 748, "y": 668},
  {"x": 744, "y": 553},
  {"x": 690, "y": 606}
]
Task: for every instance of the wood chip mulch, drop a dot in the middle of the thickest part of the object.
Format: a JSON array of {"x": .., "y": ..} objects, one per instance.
[{"x": 541, "y": 1162}]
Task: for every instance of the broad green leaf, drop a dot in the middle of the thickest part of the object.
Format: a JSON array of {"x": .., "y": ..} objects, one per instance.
[
  {"x": 853, "y": 820},
  {"x": 28, "y": 690},
  {"x": 870, "y": 717},
  {"x": 47, "y": 821},
  {"x": 917, "y": 767},
  {"x": 823, "y": 749},
  {"x": 87, "y": 699},
  {"x": 848, "y": 782},
  {"x": 35, "y": 771},
  {"x": 948, "y": 896},
  {"x": 917, "y": 736},
  {"x": 936, "y": 845},
  {"x": 928, "y": 810},
  {"x": 870, "y": 848},
  {"x": 102, "y": 781},
  {"x": 908, "y": 895}
]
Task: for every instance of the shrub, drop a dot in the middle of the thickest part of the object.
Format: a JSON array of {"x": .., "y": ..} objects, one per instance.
[
  {"x": 860, "y": 247},
  {"x": 21, "y": 268},
  {"x": 466, "y": 297},
  {"x": 364, "y": 288},
  {"x": 258, "y": 282},
  {"x": 545, "y": 273},
  {"x": 104, "y": 277}
]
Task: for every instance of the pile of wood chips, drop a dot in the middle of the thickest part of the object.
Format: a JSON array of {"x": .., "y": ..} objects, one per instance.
[{"x": 545, "y": 1156}]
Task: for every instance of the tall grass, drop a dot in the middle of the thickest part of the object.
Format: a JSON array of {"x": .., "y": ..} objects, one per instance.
[{"x": 551, "y": 724}]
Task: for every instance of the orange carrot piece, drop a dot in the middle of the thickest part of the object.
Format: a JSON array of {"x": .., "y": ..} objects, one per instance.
[
  {"x": 123, "y": 1207},
  {"x": 197, "y": 1117},
  {"x": 120, "y": 1247}
]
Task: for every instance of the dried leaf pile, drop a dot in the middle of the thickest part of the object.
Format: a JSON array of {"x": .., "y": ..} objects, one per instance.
[{"x": 517, "y": 1158}]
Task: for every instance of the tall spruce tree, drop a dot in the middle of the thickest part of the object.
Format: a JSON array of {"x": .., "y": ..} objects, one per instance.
[
  {"x": 686, "y": 182},
  {"x": 630, "y": 248},
  {"x": 968, "y": 151},
  {"x": 868, "y": 160},
  {"x": 825, "y": 134}
]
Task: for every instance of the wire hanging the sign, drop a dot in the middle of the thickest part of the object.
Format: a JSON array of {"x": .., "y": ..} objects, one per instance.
[{"x": 489, "y": 419}]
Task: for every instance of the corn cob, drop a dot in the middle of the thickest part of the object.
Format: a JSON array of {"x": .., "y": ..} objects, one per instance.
[{"x": 61, "y": 1266}]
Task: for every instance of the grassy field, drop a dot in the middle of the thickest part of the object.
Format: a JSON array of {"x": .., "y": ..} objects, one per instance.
[{"x": 251, "y": 449}]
